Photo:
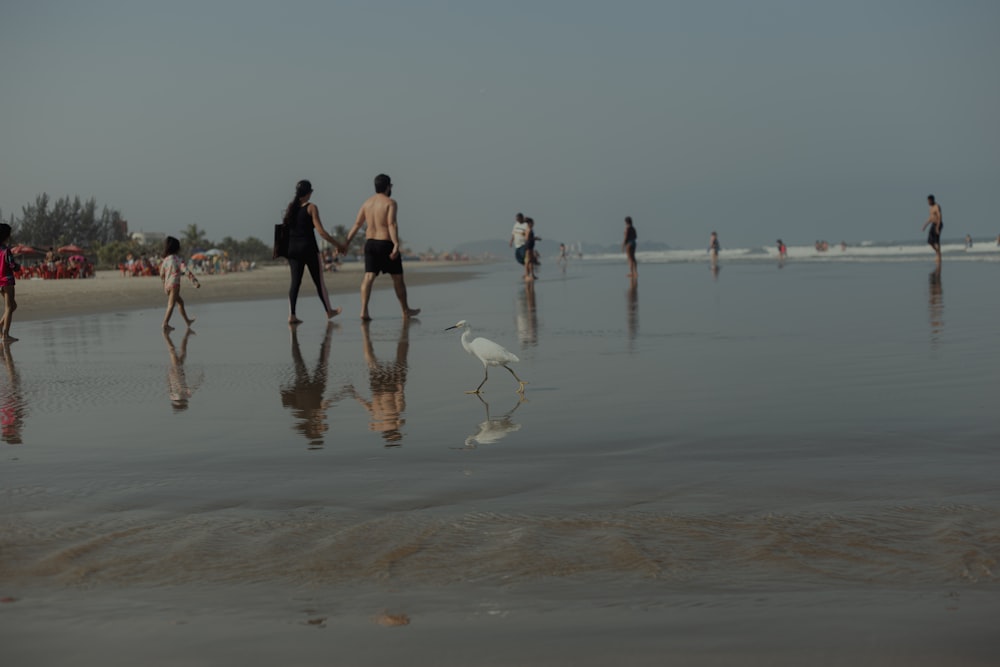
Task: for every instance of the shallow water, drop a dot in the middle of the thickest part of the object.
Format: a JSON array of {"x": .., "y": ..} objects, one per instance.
[{"x": 818, "y": 430}]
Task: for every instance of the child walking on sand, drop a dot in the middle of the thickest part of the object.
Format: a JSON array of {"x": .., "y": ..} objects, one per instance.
[
  {"x": 7, "y": 268},
  {"x": 171, "y": 270}
]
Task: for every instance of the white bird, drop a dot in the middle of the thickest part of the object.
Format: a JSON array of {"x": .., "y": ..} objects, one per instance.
[{"x": 488, "y": 352}]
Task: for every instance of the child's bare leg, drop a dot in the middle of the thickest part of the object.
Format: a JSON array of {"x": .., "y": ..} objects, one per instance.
[
  {"x": 171, "y": 301},
  {"x": 180, "y": 306},
  {"x": 10, "y": 305}
]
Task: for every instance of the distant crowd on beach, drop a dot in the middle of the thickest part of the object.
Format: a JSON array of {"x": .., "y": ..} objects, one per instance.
[{"x": 143, "y": 265}]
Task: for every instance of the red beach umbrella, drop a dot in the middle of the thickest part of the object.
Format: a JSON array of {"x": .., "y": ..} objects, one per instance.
[
  {"x": 70, "y": 250},
  {"x": 21, "y": 249}
]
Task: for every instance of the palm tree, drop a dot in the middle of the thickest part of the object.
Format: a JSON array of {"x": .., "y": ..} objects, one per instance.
[{"x": 194, "y": 238}]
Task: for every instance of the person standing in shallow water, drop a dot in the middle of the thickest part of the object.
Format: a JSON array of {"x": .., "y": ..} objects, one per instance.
[
  {"x": 518, "y": 237},
  {"x": 628, "y": 247},
  {"x": 382, "y": 250},
  {"x": 936, "y": 223},
  {"x": 303, "y": 223}
]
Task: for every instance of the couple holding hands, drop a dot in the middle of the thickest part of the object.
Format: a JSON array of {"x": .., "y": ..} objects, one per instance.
[{"x": 382, "y": 251}]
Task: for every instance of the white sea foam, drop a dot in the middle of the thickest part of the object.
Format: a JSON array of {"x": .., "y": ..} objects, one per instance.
[{"x": 867, "y": 251}]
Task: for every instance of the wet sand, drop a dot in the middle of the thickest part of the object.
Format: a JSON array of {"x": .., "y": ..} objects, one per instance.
[
  {"x": 716, "y": 468},
  {"x": 109, "y": 291}
]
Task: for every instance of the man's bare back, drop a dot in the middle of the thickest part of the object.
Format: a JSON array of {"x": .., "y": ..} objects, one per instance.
[{"x": 378, "y": 215}]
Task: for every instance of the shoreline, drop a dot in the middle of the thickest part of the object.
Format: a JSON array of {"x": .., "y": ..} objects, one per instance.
[{"x": 109, "y": 291}]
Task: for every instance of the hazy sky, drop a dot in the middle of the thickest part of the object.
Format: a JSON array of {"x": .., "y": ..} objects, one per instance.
[{"x": 798, "y": 119}]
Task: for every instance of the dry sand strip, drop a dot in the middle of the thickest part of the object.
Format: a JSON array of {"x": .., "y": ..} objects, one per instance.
[{"x": 109, "y": 291}]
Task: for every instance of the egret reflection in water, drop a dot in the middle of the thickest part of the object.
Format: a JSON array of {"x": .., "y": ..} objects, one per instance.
[{"x": 494, "y": 429}]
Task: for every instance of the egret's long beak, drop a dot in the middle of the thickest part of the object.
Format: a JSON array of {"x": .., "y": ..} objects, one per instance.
[{"x": 451, "y": 327}]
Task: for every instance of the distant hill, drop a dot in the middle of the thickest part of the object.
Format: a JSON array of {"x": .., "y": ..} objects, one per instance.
[{"x": 499, "y": 248}]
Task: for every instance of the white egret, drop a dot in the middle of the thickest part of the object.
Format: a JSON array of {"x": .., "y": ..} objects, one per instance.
[{"x": 488, "y": 352}]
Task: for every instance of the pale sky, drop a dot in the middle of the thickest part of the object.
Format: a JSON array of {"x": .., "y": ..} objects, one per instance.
[{"x": 760, "y": 119}]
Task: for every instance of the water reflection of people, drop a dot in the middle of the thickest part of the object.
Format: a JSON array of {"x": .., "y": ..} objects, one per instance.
[
  {"x": 387, "y": 380},
  {"x": 493, "y": 429},
  {"x": 936, "y": 304},
  {"x": 527, "y": 316},
  {"x": 305, "y": 397},
  {"x": 179, "y": 388},
  {"x": 632, "y": 312},
  {"x": 12, "y": 406}
]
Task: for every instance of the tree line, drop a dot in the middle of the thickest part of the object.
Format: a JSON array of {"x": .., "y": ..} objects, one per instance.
[{"x": 103, "y": 232}]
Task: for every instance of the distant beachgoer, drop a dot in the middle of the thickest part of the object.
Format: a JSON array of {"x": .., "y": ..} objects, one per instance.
[
  {"x": 782, "y": 249},
  {"x": 518, "y": 237},
  {"x": 171, "y": 269},
  {"x": 303, "y": 223},
  {"x": 936, "y": 223},
  {"x": 714, "y": 247},
  {"x": 563, "y": 257},
  {"x": 7, "y": 267},
  {"x": 968, "y": 241},
  {"x": 843, "y": 246},
  {"x": 382, "y": 251},
  {"x": 530, "y": 254},
  {"x": 628, "y": 247}
]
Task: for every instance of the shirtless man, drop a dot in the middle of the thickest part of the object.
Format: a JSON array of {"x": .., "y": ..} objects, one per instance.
[
  {"x": 936, "y": 223},
  {"x": 382, "y": 245}
]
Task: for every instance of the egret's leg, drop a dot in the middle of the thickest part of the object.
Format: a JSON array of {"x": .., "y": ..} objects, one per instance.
[
  {"x": 520, "y": 382},
  {"x": 485, "y": 378}
]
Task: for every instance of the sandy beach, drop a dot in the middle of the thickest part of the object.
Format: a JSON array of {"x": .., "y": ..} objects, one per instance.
[{"x": 109, "y": 291}]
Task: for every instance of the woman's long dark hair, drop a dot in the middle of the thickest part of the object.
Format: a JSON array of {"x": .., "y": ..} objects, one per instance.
[{"x": 302, "y": 188}]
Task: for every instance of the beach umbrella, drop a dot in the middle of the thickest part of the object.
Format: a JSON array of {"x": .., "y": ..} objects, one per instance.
[
  {"x": 21, "y": 249},
  {"x": 214, "y": 251},
  {"x": 199, "y": 255},
  {"x": 70, "y": 250}
]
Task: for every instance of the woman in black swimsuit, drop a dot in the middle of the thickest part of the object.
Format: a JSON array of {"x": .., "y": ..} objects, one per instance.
[{"x": 302, "y": 220}]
